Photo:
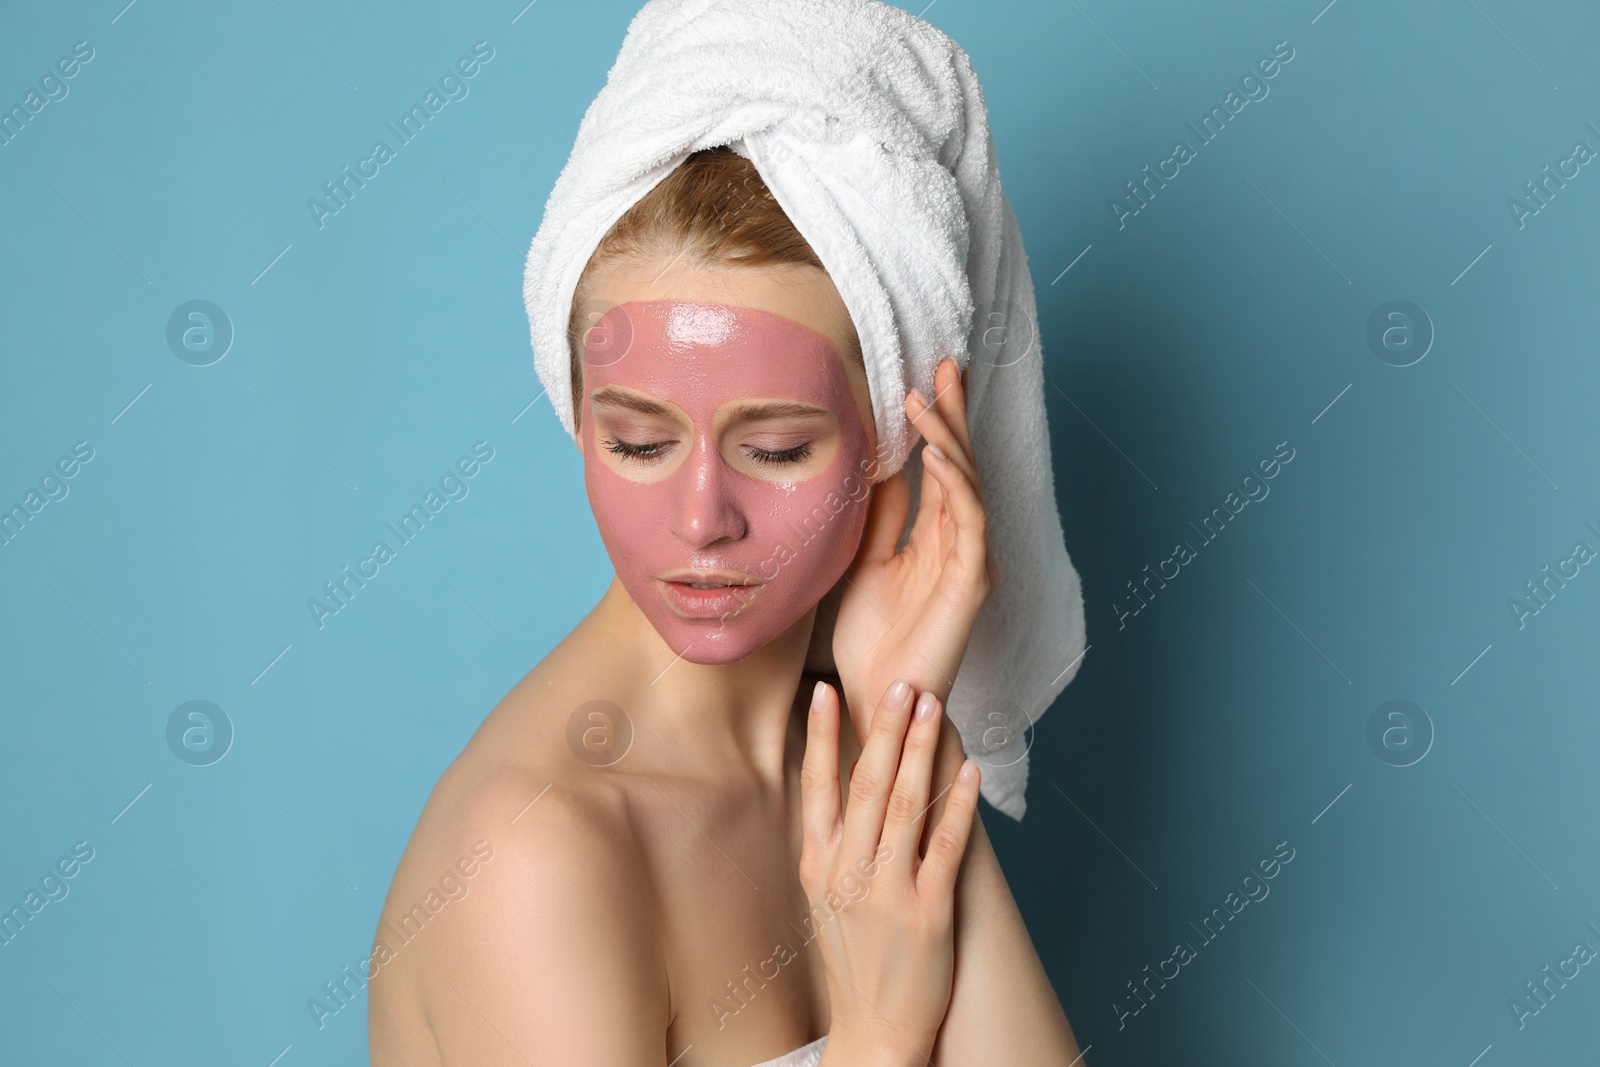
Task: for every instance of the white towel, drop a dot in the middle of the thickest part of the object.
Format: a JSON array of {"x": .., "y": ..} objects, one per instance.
[{"x": 868, "y": 125}]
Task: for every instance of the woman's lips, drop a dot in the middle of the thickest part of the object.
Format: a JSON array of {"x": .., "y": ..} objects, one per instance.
[{"x": 713, "y": 603}]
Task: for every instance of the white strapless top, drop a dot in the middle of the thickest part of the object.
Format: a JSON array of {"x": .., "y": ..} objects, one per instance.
[{"x": 804, "y": 1056}]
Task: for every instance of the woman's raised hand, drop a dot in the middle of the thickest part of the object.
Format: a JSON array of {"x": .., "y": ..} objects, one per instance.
[
  {"x": 883, "y": 913},
  {"x": 909, "y": 614}
]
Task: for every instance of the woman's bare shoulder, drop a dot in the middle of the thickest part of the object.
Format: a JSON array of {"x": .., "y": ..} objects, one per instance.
[
  {"x": 555, "y": 908},
  {"x": 519, "y": 782}
]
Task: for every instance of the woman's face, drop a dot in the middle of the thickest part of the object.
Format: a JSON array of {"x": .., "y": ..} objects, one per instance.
[{"x": 727, "y": 450}]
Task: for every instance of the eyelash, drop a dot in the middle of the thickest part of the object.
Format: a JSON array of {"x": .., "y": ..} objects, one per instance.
[
  {"x": 627, "y": 451},
  {"x": 788, "y": 455},
  {"x": 760, "y": 455}
]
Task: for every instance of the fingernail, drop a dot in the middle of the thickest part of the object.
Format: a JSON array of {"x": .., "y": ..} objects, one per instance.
[
  {"x": 816, "y": 697},
  {"x": 925, "y": 704},
  {"x": 936, "y": 450},
  {"x": 899, "y": 695},
  {"x": 968, "y": 769},
  {"x": 916, "y": 394}
]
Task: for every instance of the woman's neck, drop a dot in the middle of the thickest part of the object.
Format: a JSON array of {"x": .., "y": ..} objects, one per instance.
[{"x": 696, "y": 716}]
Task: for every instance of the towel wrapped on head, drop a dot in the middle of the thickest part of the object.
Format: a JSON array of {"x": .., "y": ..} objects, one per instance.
[{"x": 868, "y": 126}]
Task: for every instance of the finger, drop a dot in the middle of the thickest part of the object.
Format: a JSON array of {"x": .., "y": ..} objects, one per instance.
[
  {"x": 961, "y": 497},
  {"x": 951, "y": 399},
  {"x": 886, "y": 518},
  {"x": 873, "y": 774},
  {"x": 936, "y": 877},
  {"x": 930, "y": 504},
  {"x": 931, "y": 423},
  {"x": 908, "y": 801},
  {"x": 819, "y": 772}
]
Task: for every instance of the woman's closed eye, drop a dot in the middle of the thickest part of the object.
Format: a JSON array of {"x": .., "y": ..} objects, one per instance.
[
  {"x": 647, "y": 452},
  {"x": 796, "y": 454},
  {"x": 657, "y": 450}
]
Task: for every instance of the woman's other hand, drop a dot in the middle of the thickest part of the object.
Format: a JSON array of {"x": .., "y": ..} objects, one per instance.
[
  {"x": 909, "y": 614},
  {"x": 883, "y": 912}
]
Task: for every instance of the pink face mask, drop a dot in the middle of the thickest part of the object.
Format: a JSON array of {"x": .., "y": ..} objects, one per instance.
[{"x": 705, "y": 490}]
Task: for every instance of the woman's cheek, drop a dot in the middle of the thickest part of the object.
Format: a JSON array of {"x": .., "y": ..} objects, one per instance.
[
  {"x": 819, "y": 530},
  {"x": 625, "y": 512},
  {"x": 606, "y": 501},
  {"x": 819, "y": 522}
]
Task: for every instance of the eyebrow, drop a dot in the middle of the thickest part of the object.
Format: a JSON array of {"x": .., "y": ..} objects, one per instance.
[
  {"x": 751, "y": 410},
  {"x": 617, "y": 398},
  {"x": 774, "y": 409}
]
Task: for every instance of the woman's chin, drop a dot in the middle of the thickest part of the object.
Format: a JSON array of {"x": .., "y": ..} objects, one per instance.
[{"x": 717, "y": 642}]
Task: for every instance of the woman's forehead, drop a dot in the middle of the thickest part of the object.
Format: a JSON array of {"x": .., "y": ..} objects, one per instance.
[
  {"x": 779, "y": 329},
  {"x": 692, "y": 336},
  {"x": 703, "y": 357}
]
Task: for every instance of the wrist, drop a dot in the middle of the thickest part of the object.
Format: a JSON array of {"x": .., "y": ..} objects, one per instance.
[{"x": 870, "y": 694}]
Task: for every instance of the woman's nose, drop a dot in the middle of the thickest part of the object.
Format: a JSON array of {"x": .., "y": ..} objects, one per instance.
[{"x": 707, "y": 510}]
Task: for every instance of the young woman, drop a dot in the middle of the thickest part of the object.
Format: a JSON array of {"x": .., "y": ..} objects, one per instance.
[{"x": 661, "y": 847}]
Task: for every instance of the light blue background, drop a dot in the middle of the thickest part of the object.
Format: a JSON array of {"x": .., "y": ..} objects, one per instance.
[{"x": 1181, "y": 349}]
